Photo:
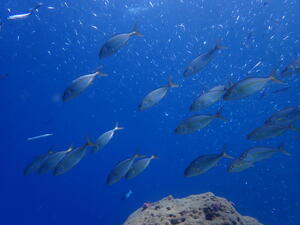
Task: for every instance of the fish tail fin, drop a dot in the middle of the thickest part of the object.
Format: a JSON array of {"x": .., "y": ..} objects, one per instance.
[
  {"x": 117, "y": 127},
  {"x": 219, "y": 114},
  {"x": 89, "y": 142},
  {"x": 219, "y": 46},
  {"x": 273, "y": 78},
  {"x": 138, "y": 155},
  {"x": 282, "y": 150},
  {"x": 171, "y": 84},
  {"x": 136, "y": 32},
  {"x": 101, "y": 74},
  {"x": 224, "y": 154},
  {"x": 292, "y": 127},
  {"x": 154, "y": 157}
]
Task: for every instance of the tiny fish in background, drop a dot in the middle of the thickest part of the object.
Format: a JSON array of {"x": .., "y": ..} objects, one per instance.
[
  {"x": 25, "y": 15},
  {"x": 38, "y": 137}
]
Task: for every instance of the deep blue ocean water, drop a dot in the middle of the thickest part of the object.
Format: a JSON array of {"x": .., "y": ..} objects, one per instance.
[{"x": 45, "y": 52}]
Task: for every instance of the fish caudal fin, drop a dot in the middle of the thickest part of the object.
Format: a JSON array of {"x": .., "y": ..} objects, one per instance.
[
  {"x": 154, "y": 157},
  {"x": 136, "y": 32},
  {"x": 171, "y": 84},
  {"x": 225, "y": 155},
  {"x": 89, "y": 142},
  {"x": 117, "y": 127},
  {"x": 219, "y": 46},
  {"x": 273, "y": 78},
  {"x": 282, "y": 150},
  {"x": 293, "y": 128},
  {"x": 219, "y": 113},
  {"x": 101, "y": 74}
]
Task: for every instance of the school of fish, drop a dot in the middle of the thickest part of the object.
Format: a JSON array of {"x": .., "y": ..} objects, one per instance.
[{"x": 60, "y": 162}]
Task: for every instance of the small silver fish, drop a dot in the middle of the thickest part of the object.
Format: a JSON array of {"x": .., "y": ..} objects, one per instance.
[
  {"x": 104, "y": 138},
  {"x": 292, "y": 69},
  {"x": 72, "y": 158},
  {"x": 285, "y": 116},
  {"x": 257, "y": 154},
  {"x": 209, "y": 98},
  {"x": 25, "y": 15},
  {"x": 51, "y": 162},
  {"x": 38, "y": 137},
  {"x": 249, "y": 86},
  {"x": 139, "y": 166},
  {"x": 269, "y": 131},
  {"x": 78, "y": 85},
  {"x": 204, "y": 163},
  {"x": 201, "y": 61},
  {"x": 117, "y": 42},
  {"x": 120, "y": 170},
  {"x": 155, "y": 96},
  {"x": 197, "y": 122},
  {"x": 35, "y": 165}
]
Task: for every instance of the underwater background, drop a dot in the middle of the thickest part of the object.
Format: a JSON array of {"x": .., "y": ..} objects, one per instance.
[{"x": 45, "y": 52}]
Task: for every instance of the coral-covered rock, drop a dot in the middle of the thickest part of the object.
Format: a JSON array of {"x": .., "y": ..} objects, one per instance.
[{"x": 203, "y": 209}]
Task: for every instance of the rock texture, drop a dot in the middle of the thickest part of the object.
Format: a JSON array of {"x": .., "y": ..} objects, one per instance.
[{"x": 203, "y": 209}]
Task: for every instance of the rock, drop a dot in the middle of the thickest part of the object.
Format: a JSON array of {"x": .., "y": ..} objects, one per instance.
[{"x": 203, "y": 209}]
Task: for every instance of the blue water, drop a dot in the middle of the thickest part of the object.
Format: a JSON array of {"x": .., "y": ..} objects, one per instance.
[{"x": 46, "y": 51}]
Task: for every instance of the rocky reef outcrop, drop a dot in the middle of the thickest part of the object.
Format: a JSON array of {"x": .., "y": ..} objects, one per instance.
[{"x": 202, "y": 209}]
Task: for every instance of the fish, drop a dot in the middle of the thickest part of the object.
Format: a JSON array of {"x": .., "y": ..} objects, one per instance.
[
  {"x": 204, "y": 163},
  {"x": 35, "y": 165},
  {"x": 197, "y": 122},
  {"x": 72, "y": 158},
  {"x": 292, "y": 69},
  {"x": 78, "y": 85},
  {"x": 209, "y": 98},
  {"x": 117, "y": 42},
  {"x": 285, "y": 116},
  {"x": 127, "y": 195},
  {"x": 239, "y": 165},
  {"x": 155, "y": 96},
  {"x": 104, "y": 138},
  {"x": 51, "y": 162},
  {"x": 38, "y": 137},
  {"x": 201, "y": 61},
  {"x": 25, "y": 15},
  {"x": 269, "y": 131},
  {"x": 257, "y": 154},
  {"x": 249, "y": 86},
  {"x": 121, "y": 169},
  {"x": 139, "y": 166}
]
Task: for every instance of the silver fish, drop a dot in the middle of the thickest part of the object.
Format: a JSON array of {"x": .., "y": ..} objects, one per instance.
[
  {"x": 25, "y": 15},
  {"x": 139, "y": 166},
  {"x": 209, "y": 98},
  {"x": 78, "y": 85},
  {"x": 292, "y": 69},
  {"x": 260, "y": 153},
  {"x": 197, "y": 122},
  {"x": 239, "y": 165},
  {"x": 104, "y": 138},
  {"x": 38, "y": 137},
  {"x": 155, "y": 96},
  {"x": 35, "y": 165},
  {"x": 120, "y": 170},
  {"x": 117, "y": 42},
  {"x": 51, "y": 162},
  {"x": 72, "y": 159},
  {"x": 249, "y": 86},
  {"x": 269, "y": 131},
  {"x": 285, "y": 116},
  {"x": 201, "y": 61},
  {"x": 204, "y": 163}
]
